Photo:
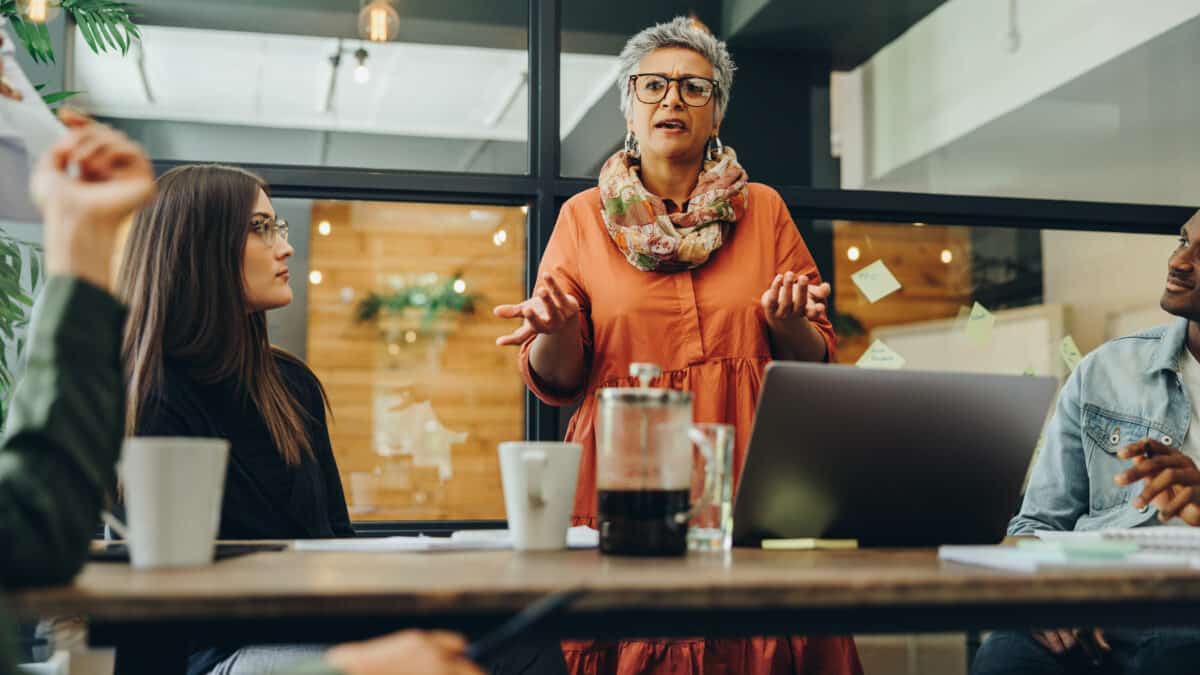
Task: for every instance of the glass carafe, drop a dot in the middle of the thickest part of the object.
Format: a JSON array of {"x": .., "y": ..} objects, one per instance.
[{"x": 644, "y": 438}]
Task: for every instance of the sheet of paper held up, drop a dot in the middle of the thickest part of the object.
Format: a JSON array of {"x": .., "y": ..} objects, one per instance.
[
  {"x": 463, "y": 540},
  {"x": 875, "y": 281},
  {"x": 881, "y": 356},
  {"x": 1070, "y": 352},
  {"x": 980, "y": 324}
]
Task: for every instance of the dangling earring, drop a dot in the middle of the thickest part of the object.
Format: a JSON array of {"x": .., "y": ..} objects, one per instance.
[
  {"x": 631, "y": 146},
  {"x": 715, "y": 148}
]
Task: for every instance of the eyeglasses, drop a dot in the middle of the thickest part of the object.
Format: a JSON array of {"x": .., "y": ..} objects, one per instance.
[
  {"x": 652, "y": 88},
  {"x": 270, "y": 230}
]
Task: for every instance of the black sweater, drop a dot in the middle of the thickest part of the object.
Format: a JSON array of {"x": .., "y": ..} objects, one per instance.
[{"x": 264, "y": 497}]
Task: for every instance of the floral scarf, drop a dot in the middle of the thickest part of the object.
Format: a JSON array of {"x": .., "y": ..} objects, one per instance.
[{"x": 656, "y": 241}]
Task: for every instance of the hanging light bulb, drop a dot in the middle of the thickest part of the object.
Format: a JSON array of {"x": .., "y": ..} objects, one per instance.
[
  {"x": 361, "y": 74},
  {"x": 378, "y": 21},
  {"x": 38, "y": 11}
]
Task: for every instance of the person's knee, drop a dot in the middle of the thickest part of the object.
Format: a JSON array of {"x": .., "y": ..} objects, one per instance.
[
  {"x": 1013, "y": 652},
  {"x": 1168, "y": 652}
]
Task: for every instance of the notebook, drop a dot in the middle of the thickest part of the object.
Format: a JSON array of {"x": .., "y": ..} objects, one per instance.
[
  {"x": 1034, "y": 560},
  {"x": 1162, "y": 538}
]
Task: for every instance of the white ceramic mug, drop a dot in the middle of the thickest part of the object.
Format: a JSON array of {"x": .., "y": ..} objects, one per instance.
[
  {"x": 173, "y": 488},
  {"x": 539, "y": 492}
]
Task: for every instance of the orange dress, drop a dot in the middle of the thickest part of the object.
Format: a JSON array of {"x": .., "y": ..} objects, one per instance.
[{"x": 706, "y": 329}]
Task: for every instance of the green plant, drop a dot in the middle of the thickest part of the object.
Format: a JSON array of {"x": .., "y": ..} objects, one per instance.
[
  {"x": 104, "y": 24},
  {"x": 429, "y": 295},
  {"x": 15, "y": 302}
]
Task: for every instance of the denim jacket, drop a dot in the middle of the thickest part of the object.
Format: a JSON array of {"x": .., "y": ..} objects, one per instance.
[{"x": 1126, "y": 390}]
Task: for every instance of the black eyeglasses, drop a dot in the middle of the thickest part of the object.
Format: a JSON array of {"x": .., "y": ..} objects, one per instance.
[
  {"x": 652, "y": 88},
  {"x": 270, "y": 229}
]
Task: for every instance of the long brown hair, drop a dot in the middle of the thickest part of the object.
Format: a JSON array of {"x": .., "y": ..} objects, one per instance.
[{"x": 181, "y": 275}]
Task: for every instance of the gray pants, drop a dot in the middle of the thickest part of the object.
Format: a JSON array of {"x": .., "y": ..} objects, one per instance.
[{"x": 266, "y": 659}]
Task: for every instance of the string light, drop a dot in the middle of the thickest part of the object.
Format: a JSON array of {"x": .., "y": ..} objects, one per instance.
[
  {"x": 947, "y": 256},
  {"x": 853, "y": 253},
  {"x": 315, "y": 277},
  {"x": 324, "y": 228},
  {"x": 361, "y": 74},
  {"x": 378, "y": 21},
  {"x": 38, "y": 11}
]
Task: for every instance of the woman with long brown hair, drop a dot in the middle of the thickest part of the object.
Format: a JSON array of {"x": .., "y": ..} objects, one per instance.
[{"x": 203, "y": 264}]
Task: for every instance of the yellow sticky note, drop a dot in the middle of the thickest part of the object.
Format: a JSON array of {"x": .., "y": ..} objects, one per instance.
[
  {"x": 809, "y": 544},
  {"x": 875, "y": 281},
  {"x": 881, "y": 356},
  {"x": 980, "y": 324},
  {"x": 960, "y": 322},
  {"x": 1070, "y": 352}
]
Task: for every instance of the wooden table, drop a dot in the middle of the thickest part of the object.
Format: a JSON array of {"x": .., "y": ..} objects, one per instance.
[{"x": 329, "y": 597}]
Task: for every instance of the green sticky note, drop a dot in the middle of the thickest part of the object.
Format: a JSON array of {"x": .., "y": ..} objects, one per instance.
[
  {"x": 980, "y": 324},
  {"x": 881, "y": 356},
  {"x": 875, "y": 281},
  {"x": 1089, "y": 549},
  {"x": 1070, "y": 352}
]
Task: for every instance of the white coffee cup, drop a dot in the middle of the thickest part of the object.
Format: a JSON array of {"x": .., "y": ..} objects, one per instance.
[
  {"x": 173, "y": 488},
  {"x": 539, "y": 492}
]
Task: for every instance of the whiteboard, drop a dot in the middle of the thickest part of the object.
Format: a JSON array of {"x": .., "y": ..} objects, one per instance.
[{"x": 1022, "y": 340}]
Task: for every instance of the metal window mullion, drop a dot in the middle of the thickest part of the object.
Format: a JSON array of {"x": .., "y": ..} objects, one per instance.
[{"x": 545, "y": 156}]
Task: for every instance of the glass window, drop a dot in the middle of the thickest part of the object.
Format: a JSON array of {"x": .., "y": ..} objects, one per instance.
[
  {"x": 247, "y": 85},
  {"x": 995, "y": 300},
  {"x": 396, "y": 321},
  {"x": 778, "y": 114},
  {"x": 1028, "y": 100}
]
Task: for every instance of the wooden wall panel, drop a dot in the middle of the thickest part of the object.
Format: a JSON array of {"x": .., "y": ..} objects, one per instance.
[{"x": 472, "y": 385}]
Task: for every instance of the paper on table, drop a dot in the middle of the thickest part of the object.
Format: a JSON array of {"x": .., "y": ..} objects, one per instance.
[
  {"x": 980, "y": 324},
  {"x": 1159, "y": 538},
  {"x": 881, "y": 356},
  {"x": 875, "y": 281},
  {"x": 1070, "y": 352},
  {"x": 1012, "y": 558},
  {"x": 463, "y": 540}
]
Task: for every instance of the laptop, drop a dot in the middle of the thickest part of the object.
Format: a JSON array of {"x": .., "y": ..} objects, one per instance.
[{"x": 888, "y": 457}]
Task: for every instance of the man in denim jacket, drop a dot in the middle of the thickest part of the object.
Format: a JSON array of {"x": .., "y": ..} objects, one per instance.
[{"x": 1132, "y": 399}]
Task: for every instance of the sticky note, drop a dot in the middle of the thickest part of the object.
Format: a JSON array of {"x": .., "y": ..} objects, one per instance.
[
  {"x": 881, "y": 356},
  {"x": 875, "y": 281},
  {"x": 960, "y": 322},
  {"x": 1070, "y": 352},
  {"x": 809, "y": 544},
  {"x": 1029, "y": 371},
  {"x": 980, "y": 324}
]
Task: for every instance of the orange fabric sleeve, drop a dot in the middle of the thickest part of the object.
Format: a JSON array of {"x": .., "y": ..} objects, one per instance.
[
  {"x": 561, "y": 260},
  {"x": 791, "y": 253}
]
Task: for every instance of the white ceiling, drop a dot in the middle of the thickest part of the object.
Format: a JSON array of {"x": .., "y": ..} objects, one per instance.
[
  {"x": 281, "y": 81},
  {"x": 1128, "y": 130}
]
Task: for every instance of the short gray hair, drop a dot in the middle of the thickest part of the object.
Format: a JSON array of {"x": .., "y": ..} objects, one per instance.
[{"x": 683, "y": 32}]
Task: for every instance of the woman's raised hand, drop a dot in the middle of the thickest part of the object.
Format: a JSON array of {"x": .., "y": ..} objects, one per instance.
[
  {"x": 548, "y": 311},
  {"x": 790, "y": 295}
]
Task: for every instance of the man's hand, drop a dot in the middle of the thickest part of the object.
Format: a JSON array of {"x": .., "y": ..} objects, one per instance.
[{"x": 1172, "y": 480}]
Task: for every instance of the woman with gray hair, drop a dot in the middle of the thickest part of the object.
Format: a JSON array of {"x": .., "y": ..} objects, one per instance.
[{"x": 675, "y": 258}]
